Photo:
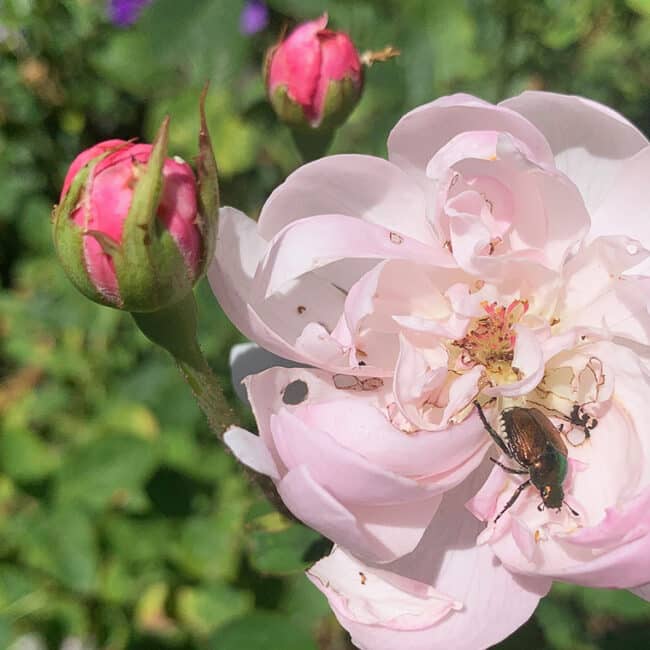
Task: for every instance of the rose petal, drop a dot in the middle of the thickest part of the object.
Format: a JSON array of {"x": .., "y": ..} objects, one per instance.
[
  {"x": 624, "y": 205},
  {"x": 251, "y": 450},
  {"x": 314, "y": 242},
  {"x": 448, "y": 560},
  {"x": 437, "y": 457},
  {"x": 528, "y": 359},
  {"x": 370, "y": 188},
  {"x": 367, "y": 595},
  {"x": 423, "y": 131},
  {"x": 596, "y": 294},
  {"x": 643, "y": 591},
  {"x": 276, "y": 322},
  {"x": 589, "y": 140},
  {"x": 345, "y": 474},
  {"x": 318, "y": 509}
]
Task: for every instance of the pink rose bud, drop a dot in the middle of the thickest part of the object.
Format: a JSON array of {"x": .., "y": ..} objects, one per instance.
[
  {"x": 132, "y": 230},
  {"x": 314, "y": 77}
]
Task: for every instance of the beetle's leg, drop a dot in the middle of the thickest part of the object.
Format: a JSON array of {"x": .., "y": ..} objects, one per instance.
[
  {"x": 513, "y": 498},
  {"x": 582, "y": 419},
  {"x": 511, "y": 470},
  {"x": 577, "y": 418},
  {"x": 488, "y": 427}
]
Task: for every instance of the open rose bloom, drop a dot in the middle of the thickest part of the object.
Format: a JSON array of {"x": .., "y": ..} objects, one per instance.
[{"x": 499, "y": 257}]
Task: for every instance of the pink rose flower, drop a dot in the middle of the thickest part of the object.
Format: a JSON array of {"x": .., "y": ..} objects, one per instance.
[
  {"x": 501, "y": 258},
  {"x": 332, "y": 220}
]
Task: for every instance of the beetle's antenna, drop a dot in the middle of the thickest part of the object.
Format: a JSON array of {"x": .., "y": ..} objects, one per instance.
[{"x": 571, "y": 510}]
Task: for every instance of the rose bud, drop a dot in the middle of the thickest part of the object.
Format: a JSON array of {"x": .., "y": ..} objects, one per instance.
[
  {"x": 134, "y": 229},
  {"x": 314, "y": 77}
]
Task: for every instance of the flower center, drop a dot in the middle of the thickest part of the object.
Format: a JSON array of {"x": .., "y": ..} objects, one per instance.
[{"x": 491, "y": 342}]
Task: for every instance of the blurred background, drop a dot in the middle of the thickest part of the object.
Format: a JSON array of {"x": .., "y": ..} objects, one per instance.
[{"x": 123, "y": 525}]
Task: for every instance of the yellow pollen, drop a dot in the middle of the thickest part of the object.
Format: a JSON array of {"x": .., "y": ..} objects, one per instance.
[{"x": 491, "y": 342}]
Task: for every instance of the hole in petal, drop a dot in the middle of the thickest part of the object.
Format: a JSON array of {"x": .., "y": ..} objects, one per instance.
[{"x": 295, "y": 392}]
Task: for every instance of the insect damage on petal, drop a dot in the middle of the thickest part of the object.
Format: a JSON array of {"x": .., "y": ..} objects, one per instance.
[{"x": 295, "y": 393}]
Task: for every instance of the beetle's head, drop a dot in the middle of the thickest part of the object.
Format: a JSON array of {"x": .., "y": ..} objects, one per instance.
[{"x": 552, "y": 496}]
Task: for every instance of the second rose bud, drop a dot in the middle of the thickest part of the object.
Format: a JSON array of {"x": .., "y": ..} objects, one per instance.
[{"x": 314, "y": 77}]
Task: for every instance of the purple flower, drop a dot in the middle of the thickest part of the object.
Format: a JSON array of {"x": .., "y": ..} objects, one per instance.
[
  {"x": 254, "y": 17},
  {"x": 125, "y": 12}
]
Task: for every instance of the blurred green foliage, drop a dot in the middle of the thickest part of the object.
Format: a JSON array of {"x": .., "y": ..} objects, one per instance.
[{"x": 122, "y": 522}]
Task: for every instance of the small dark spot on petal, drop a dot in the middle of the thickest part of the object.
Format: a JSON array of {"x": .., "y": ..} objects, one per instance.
[
  {"x": 362, "y": 363},
  {"x": 396, "y": 238},
  {"x": 301, "y": 309},
  {"x": 295, "y": 392}
]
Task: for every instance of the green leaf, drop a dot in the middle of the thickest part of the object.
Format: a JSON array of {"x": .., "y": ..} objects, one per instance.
[
  {"x": 21, "y": 593},
  {"x": 562, "y": 628},
  {"x": 61, "y": 543},
  {"x": 274, "y": 549},
  {"x": 108, "y": 471},
  {"x": 150, "y": 612},
  {"x": 619, "y": 603},
  {"x": 236, "y": 140},
  {"x": 208, "y": 547},
  {"x": 204, "y": 609},
  {"x": 641, "y": 6},
  {"x": 138, "y": 541},
  {"x": 261, "y": 631},
  {"x": 304, "y": 605},
  {"x": 5, "y": 632},
  {"x": 129, "y": 61},
  {"x": 24, "y": 457}
]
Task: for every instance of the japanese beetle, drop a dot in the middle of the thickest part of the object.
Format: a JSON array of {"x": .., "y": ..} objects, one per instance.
[{"x": 532, "y": 441}]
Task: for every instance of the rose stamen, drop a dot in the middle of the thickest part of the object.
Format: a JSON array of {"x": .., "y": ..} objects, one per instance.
[{"x": 491, "y": 342}]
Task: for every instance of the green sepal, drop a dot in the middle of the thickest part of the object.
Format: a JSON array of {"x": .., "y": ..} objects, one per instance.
[
  {"x": 341, "y": 99},
  {"x": 289, "y": 110},
  {"x": 150, "y": 270},
  {"x": 313, "y": 139},
  {"x": 174, "y": 328},
  {"x": 208, "y": 189},
  {"x": 68, "y": 236}
]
